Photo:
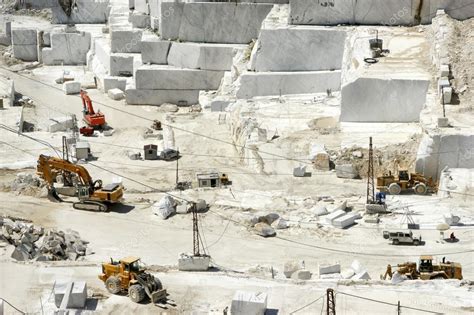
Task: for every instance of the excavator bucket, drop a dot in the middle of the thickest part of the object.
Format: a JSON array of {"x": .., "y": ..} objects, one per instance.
[
  {"x": 53, "y": 195},
  {"x": 158, "y": 296}
]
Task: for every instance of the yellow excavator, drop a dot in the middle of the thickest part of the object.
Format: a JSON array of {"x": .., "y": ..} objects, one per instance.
[{"x": 91, "y": 194}]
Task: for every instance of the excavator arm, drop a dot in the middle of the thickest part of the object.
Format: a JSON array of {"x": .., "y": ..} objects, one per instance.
[
  {"x": 47, "y": 164},
  {"x": 87, "y": 103}
]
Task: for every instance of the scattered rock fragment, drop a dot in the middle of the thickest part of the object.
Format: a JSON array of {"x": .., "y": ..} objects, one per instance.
[{"x": 263, "y": 229}]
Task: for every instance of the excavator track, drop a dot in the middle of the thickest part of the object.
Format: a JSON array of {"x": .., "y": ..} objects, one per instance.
[{"x": 93, "y": 206}]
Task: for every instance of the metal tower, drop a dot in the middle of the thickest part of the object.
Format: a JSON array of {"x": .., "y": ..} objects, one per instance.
[
  {"x": 330, "y": 302},
  {"x": 370, "y": 176},
  {"x": 195, "y": 231}
]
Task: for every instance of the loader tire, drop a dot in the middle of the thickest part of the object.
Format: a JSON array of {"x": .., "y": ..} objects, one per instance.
[
  {"x": 136, "y": 293},
  {"x": 158, "y": 285},
  {"x": 113, "y": 285},
  {"x": 420, "y": 189},
  {"x": 394, "y": 189}
]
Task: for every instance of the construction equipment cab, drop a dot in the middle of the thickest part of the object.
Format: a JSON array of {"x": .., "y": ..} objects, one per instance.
[
  {"x": 405, "y": 181},
  {"x": 91, "y": 194},
  {"x": 128, "y": 275},
  {"x": 91, "y": 118}
]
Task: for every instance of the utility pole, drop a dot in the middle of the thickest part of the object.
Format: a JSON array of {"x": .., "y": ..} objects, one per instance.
[
  {"x": 65, "y": 149},
  {"x": 177, "y": 159},
  {"x": 330, "y": 302},
  {"x": 370, "y": 176},
  {"x": 195, "y": 230},
  {"x": 399, "y": 309}
]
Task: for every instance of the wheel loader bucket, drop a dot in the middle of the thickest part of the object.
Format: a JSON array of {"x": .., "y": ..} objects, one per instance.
[
  {"x": 158, "y": 296},
  {"x": 53, "y": 195}
]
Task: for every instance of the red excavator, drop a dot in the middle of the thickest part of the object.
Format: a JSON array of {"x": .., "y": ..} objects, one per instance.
[{"x": 93, "y": 120}]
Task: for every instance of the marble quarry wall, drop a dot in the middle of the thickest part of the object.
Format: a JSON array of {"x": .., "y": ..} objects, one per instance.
[
  {"x": 383, "y": 99},
  {"x": 448, "y": 150},
  {"x": 228, "y": 23},
  {"x": 375, "y": 12},
  {"x": 298, "y": 49}
]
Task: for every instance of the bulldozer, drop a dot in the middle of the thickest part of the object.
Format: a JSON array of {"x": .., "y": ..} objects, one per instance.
[
  {"x": 405, "y": 182},
  {"x": 127, "y": 275},
  {"x": 427, "y": 270},
  {"x": 92, "y": 195}
]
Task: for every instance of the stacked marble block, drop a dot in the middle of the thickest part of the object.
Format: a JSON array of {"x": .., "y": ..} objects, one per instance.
[
  {"x": 293, "y": 60},
  {"x": 25, "y": 44},
  {"x": 175, "y": 71},
  {"x": 68, "y": 48},
  {"x": 440, "y": 55},
  {"x": 116, "y": 55},
  {"x": 61, "y": 46}
]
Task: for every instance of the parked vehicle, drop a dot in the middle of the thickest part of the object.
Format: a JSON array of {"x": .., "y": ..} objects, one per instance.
[
  {"x": 402, "y": 238},
  {"x": 169, "y": 154}
]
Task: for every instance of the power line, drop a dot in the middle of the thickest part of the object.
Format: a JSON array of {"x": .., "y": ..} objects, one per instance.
[
  {"x": 279, "y": 237},
  {"x": 387, "y": 303},
  {"x": 13, "y": 306},
  {"x": 305, "y": 306}
]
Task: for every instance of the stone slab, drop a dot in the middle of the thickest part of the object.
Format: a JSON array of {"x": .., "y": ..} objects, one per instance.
[
  {"x": 113, "y": 83},
  {"x": 25, "y": 52},
  {"x": 116, "y": 94},
  {"x": 159, "y": 97},
  {"x": 102, "y": 53},
  {"x": 67, "y": 49},
  {"x": 156, "y": 77},
  {"x": 328, "y": 269},
  {"x": 125, "y": 40},
  {"x": 436, "y": 152},
  {"x": 447, "y": 94},
  {"x": 121, "y": 64},
  {"x": 444, "y": 71},
  {"x": 205, "y": 22},
  {"x": 139, "y": 20},
  {"x": 383, "y": 100},
  {"x": 275, "y": 83},
  {"x": 155, "y": 50},
  {"x": 72, "y": 87},
  {"x": 345, "y": 220},
  {"x": 245, "y": 303},
  {"x": 203, "y": 56},
  {"x": 24, "y": 36},
  {"x": 375, "y": 12},
  {"x": 142, "y": 6},
  {"x": 298, "y": 49},
  {"x": 301, "y": 275},
  {"x": 88, "y": 12},
  {"x": 334, "y": 215},
  {"x": 193, "y": 263}
]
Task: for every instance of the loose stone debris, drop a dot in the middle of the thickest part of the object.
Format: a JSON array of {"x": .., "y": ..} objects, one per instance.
[{"x": 34, "y": 243}]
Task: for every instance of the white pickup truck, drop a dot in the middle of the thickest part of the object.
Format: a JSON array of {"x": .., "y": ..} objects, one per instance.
[{"x": 402, "y": 237}]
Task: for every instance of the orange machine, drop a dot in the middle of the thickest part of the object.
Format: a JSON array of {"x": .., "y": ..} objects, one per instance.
[
  {"x": 92, "y": 196},
  {"x": 127, "y": 275},
  {"x": 93, "y": 119}
]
